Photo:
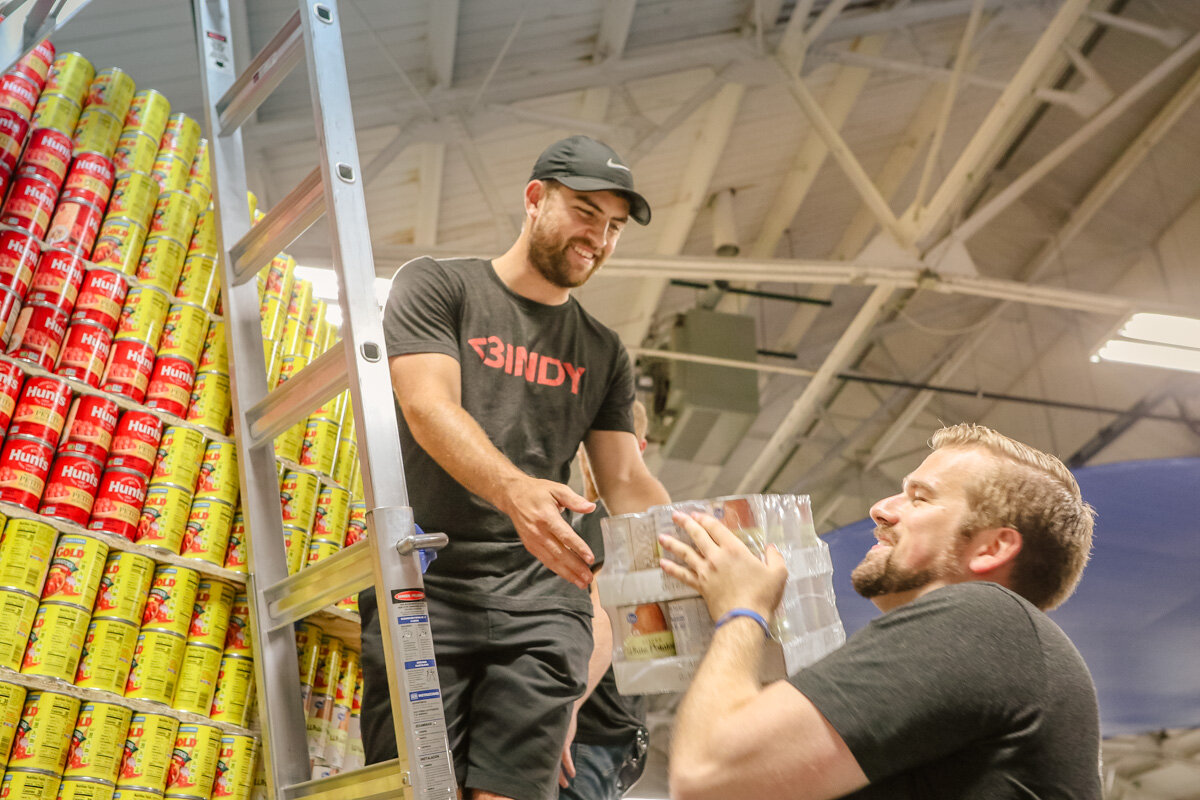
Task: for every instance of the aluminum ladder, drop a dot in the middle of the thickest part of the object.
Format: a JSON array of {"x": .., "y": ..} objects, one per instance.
[
  {"x": 39, "y": 19},
  {"x": 388, "y": 557}
]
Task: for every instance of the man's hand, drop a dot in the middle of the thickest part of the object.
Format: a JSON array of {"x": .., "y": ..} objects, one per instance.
[
  {"x": 567, "y": 771},
  {"x": 535, "y": 507},
  {"x": 722, "y": 569}
]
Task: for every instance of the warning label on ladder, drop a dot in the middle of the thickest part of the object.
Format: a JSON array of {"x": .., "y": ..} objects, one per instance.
[{"x": 427, "y": 723}]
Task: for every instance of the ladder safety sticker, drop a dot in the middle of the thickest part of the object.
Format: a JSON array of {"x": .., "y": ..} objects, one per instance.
[
  {"x": 422, "y": 664},
  {"x": 407, "y": 596},
  {"x": 431, "y": 694},
  {"x": 217, "y": 51},
  {"x": 413, "y": 620}
]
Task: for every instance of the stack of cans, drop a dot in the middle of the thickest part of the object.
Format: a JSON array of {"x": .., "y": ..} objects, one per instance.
[
  {"x": 108, "y": 100},
  {"x": 122, "y": 492},
  {"x": 330, "y": 679},
  {"x": 210, "y": 519},
  {"x": 112, "y": 635},
  {"x": 169, "y": 495},
  {"x": 234, "y": 693},
  {"x": 166, "y": 619}
]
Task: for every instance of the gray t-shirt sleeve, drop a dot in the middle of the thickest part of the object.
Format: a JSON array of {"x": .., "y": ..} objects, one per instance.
[{"x": 423, "y": 310}]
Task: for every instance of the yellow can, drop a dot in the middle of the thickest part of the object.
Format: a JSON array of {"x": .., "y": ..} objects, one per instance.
[
  {"x": 98, "y": 742},
  {"x": 174, "y": 217},
  {"x": 194, "y": 761},
  {"x": 197, "y": 678},
  {"x": 179, "y": 453},
  {"x": 56, "y": 641},
  {"x": 171, "y": 600},
  {"x": 164, "y": 517},
  {"x": 135, "y": 152},
  {"x": 202, "y": 164},
  {"x": 273, "y": 357},
  {"x": 235, "y": 682},
  {"x": 161, "y": 262},
  {"x": 235, "y": 552},
  {"x": 181, "y": 137},
  {"x": 75, "y": 570},
  {"x": 300, "y": 303},
  {"x": 319, "y": 549},
  {"x": 156, "y": 663},
  {"x": 134, "y": 195},
  {"x": 183, "y": 333},
  {"x": 348, "y": 604},
  {"x": 29, "y": 785},
  {"x": 113, "y": 89},
  {"x": 199, "y": 282},
  {"x": 143, "y": 315},
  {"x": 274, "y": 316},
  {"x": 334, "y": 408},
  {"x": 85, "y": 789},
  {"x": 320, "y": 445},
  {"x": 333, "y": 512},
  {"x": 238, "y": 638},
  {"x": 25, "y": 553},
  {"x": 17, "y": 612},
  {"x": 310, "y": 662},
  {"x": 293, "y": 332},
  {"x": 235, "y": 768},
  {"x": 123, "y": 586},
  {"x": 200, "y": 191},
  {"x": 356, "y": 525},
  {"x": 288, "y": 443},
  {"x": 215, "y": 355},
  {"x": 210, "y": 616},
  {"x": 148, "y": 747},
  {"x": 295, "y": 544},
  {"x": 44, "y": 732},
  {"x": 219, "y": 473},
  {"x": 148, "y": 113},
  {"x": 133, "y": 793},
  {"x": 281, "y": 274},
  {"x": 207, "y": 535},
  {"x": 291, "y": 365},
  {"x": 298, "y": 497},
  {"x": 210, "y": 402},
  {"x": 347, "y": 459},
  {"x": 119, "y": 244},
  {"x": 12, "y": 699},
  {"x": 97, "y": 131},
  {"x": 204, "y": 235},
  {"x": 71, "y": 74},
  {"x": 107, "y": 655},
  {"x": 56, "y": 112},
  {"x": 171, "y": 172}
]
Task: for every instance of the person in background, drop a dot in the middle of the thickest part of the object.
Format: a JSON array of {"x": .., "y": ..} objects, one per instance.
[
  {"x": 608, "y": 752},
  {"x": 499, "y": 374},
  {"x": 962, "y": 688}
]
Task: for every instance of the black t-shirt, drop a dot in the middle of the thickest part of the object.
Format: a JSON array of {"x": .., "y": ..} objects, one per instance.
[
  {"x": 968, "y": 691},
  {"x": 536, "y": 378}
]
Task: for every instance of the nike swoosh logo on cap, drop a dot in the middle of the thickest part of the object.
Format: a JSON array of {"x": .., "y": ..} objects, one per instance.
[{"x": 615, "y": 165}]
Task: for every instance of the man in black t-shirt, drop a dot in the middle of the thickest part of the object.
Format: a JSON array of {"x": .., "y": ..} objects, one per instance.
[
  {"x": 499, "y": 375},
  {"x": 964, "y": 688}
]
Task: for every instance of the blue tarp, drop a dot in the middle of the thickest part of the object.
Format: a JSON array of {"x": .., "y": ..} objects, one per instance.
[{"x": 1136, "y": 615}]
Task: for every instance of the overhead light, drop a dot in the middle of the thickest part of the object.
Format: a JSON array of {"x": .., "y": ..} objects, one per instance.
[{"x": 1154, "y": 340}]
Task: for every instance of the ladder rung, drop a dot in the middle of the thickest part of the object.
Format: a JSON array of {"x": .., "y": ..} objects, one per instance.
[
  {"x": 281, "y": 226},
  {"x": 320, "y": 585},
  {"x": 294, "y": 400},
  {"x": 269, "y": 68},
  {"x": 383, "y": 781}
]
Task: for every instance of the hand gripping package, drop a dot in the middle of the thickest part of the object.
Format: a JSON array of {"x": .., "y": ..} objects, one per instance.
[{"x": 661, "y": 628}]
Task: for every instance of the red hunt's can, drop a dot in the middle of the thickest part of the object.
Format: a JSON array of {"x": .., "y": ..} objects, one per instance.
[
  {"x": 135, "y": 152},
  {"x": 29, "y": 205},
  {"x": 135, "y": 442},
  {"x": 38, "y": 334},
  {"x": 35, "y": 64},
  {"x": 119, "y": 244},
  {"x": 57, "y": 279},
  {"x": 48, "y": 156},
  {"x": 71, "y": 488},
  {"x": 85, "y": 353},
  {"x": 90, "y": 426},
  {"x": 170, "y": 388},
  {"x": 148, "y": 113},
  {"x": 42, "y": 409},
  {"x": 123, "y": 587},
  {"x": 118, "y": 503},
  {"x": 75, "y": 571},
  {"x": 128, "y": 371},
  {"x": 183, "y": 333},
  {"x": 101, "y": 295},
  {"x": 13, "y": 128},
  {"x": 71, "y": 74},
  {"x": 97, "y": 131},
  {"x": 9, "y": 311},
  {"x": 11, "y": 379},
  {"x": 24, "y": 465},
  {"x": 107, "y": 654},
  {"x": 19, "y": 255},
  {"x": 90, "y": 178},
  {"x": 147, "y": 756},
  {"x": 74, "y": 225},
  {"x": 18, "y": 93},
  {"x": 98, "y": 742},
  {"x": 44, "y": 732},
  {"x": 135, "y": 196},
  {"x": 56, "y": 112}
]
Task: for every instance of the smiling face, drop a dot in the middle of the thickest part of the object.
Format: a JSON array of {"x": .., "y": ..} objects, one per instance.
[
  {"x": 920, "y": 532},
  {"x": 573, "y": 233}
]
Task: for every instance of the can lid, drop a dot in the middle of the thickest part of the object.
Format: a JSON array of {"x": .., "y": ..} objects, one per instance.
[{"x": 5, "y": 589}]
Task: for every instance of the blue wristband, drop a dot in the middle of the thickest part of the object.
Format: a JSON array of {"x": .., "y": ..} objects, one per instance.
[{"x": 745, "y": 612}]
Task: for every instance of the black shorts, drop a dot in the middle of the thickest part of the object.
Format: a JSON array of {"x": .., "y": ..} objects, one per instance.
[{"x": 508, "y": 680}]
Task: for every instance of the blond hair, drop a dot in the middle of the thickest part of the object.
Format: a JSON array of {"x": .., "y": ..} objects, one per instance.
[{"x": 1035, "y": 494}]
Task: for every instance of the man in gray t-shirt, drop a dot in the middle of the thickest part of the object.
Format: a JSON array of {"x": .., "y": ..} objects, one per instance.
[{"x": 499, "y": 374}]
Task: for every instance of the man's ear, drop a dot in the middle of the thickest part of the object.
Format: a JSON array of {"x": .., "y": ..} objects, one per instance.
[
  {"x": 535, "y": 192},
  {"x": 993, "y": 550}
]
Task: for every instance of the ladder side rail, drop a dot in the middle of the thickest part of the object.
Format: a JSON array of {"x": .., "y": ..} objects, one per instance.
[
  {"x": 40, "y": 21},
  {"x": 276, "y": 667},
  {"x": 399, "y": 586}
]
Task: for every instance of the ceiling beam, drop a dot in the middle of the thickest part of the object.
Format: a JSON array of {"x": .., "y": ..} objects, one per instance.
[
  {"x": 798, "y": 36},
  {"x": 432, "y": 159},
  {"x": 614, "y": 30},
  {"x": 506, "y": 228},
  {"x": 443, "y": 41}
]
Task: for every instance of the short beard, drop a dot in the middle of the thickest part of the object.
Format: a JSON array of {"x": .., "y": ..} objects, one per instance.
[
  {"x": 876, "y": 576},
  {"x": 551, "y": 261}
]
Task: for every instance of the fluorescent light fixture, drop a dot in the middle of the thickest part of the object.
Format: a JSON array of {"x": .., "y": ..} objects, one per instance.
[{"x": 1155, "y": 340}]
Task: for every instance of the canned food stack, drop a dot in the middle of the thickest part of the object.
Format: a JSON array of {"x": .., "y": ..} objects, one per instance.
[
  {"x": 661, "y": 627},
  {"x": 233, "y": 695},
  {"x": 331, "y": 690},
  {"x": 20, "y": 88}
]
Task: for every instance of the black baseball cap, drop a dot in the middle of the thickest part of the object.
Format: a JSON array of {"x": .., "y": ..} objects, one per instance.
[{"x": 588, "y": 165}]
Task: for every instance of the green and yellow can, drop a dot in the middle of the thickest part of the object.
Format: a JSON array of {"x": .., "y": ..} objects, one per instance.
[
  {"x": 56, "y": 641},
  {"x": 98, "y": 742},
  {"x": 107, "y": 655}
]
